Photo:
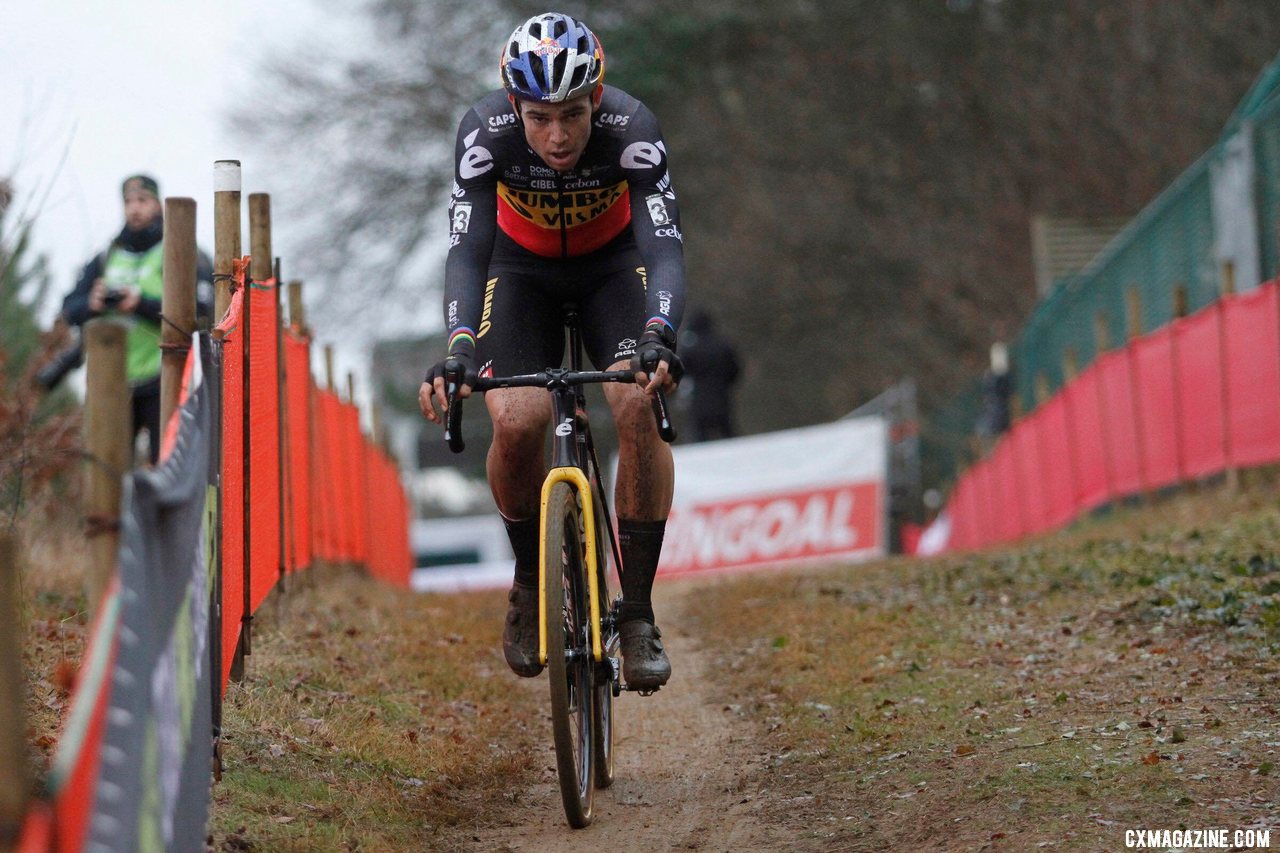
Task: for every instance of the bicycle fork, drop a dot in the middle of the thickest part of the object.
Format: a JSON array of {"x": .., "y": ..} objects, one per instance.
[{"x": 573, "y": 476}]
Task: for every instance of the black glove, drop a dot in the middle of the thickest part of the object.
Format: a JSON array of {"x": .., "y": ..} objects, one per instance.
[
  {"x": 655, "y": 347},
  {"x": 457, "y": 367}
]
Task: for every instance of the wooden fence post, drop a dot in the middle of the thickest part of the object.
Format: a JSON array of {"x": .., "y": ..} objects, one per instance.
[
  {"x": 297, "y": 311},
  {"x": 108, "y": 421},
  {"x": 226, "y": 225},
  {"x": 179, "y": 303},
  {"x": 1133, "y": 302},
  {"x": 15, "y": 778}
]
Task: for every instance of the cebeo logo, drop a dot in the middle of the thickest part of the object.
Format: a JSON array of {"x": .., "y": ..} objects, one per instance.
[{"x": 565, "y": 428}]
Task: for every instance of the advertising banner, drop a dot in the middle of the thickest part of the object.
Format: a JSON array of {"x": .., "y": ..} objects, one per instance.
[
  {"x": 153, "y": 789},
  {"x": 796, "y": 496}
]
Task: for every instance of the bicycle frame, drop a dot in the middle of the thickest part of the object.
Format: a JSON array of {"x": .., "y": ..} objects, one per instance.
[{"x": 567, "y": 400}]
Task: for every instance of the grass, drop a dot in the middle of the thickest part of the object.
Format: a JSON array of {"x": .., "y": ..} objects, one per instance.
[
  {"x": 371, "y": 719},
  {"x": 1120, "y": 676}
]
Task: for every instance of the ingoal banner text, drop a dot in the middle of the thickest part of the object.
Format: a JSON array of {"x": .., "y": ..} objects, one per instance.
[{"x": 794, "y": 496}]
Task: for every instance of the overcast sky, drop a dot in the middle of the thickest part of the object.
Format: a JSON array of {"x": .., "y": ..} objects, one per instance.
[{"x": 92, "y": 91}]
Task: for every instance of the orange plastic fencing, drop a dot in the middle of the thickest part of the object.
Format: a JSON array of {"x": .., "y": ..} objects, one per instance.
[
  {"x": 1186, "y": 401},
  {"x": 232, "y": 501},
  {"x": 298, "y": 414},
  {"x": 264, "y": 440},
  {"x": 301, "y": 483}
]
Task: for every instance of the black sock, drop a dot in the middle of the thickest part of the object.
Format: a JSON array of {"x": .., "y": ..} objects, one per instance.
[
  {"x": 641, "y": 544},
  {"x": 524, "y": 544}
]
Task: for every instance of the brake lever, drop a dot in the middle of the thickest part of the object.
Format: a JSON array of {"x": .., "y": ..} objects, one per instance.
[
  {"x": 453, "y": 419},
  {"x": 666, "y": 431}
]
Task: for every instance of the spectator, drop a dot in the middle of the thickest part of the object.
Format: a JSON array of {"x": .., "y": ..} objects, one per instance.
[
  {"x": 997, "y": 389},
  {"x": 712, "y": 364},
  {"x": 127, "y": 281}
]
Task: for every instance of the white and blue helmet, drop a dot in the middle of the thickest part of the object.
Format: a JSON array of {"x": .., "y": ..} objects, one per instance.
[{"x": 552, "y": 58}]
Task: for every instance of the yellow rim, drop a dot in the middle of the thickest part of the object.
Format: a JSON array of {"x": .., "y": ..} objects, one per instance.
[{"x": 578, "y": 480}]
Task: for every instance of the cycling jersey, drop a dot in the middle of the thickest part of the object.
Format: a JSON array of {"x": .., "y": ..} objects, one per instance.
[{"x": 508, "y": 205}]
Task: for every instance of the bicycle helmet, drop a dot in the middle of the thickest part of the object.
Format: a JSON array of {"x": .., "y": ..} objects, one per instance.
[{"x": 551, "y": 58}]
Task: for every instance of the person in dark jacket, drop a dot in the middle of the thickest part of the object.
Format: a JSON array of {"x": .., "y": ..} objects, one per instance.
[
  {"x": 712, "y": 364},
  {"x": 127, "y": 281}
]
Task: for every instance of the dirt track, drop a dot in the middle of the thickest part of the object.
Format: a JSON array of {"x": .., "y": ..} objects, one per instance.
[{"x": 683, "y": 774}]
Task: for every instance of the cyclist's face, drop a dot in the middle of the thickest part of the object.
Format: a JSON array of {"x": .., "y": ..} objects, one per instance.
[{"x": 558, "y": 133}]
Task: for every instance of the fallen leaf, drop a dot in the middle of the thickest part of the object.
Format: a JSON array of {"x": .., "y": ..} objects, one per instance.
[
  {"x": 1151, "y": 758},
  {"x": 64, "y": 675},
  {"x": 965, "y": 749}
]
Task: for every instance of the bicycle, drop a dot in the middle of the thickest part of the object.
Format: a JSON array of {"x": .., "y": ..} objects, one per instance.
[{"x": 578, "y": 625}]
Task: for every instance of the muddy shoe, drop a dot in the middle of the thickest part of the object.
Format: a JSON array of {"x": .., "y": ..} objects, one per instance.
[
  {"x": 520, "y": 634},
  {"x": 644, "y": 663}
]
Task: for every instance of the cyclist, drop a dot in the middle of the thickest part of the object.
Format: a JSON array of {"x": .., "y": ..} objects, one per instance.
[{"x": 561, "y": 194}]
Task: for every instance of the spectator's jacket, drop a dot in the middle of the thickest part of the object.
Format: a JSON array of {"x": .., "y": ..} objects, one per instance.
[{"x": 136, "y": 259}]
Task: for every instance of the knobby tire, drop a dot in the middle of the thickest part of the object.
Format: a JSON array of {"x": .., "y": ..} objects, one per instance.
[{"x": 571, "y": 682}]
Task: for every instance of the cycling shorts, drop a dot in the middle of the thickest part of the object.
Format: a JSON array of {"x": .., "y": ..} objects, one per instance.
[{"x": 522, "y": 325}]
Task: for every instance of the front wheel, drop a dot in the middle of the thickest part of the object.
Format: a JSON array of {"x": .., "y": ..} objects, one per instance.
[{"x": 570, "y": 669}]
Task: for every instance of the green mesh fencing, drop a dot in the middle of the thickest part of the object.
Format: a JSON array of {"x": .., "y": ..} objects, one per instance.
[{"x": 1163, "y": 260}]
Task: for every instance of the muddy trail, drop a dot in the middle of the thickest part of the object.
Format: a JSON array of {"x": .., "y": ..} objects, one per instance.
[{"x": 684, "y": 772}]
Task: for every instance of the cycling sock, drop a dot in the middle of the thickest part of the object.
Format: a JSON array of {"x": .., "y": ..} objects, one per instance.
[
  {"x": 641, "y": 544},
  {"x": 524, "y": 544}
]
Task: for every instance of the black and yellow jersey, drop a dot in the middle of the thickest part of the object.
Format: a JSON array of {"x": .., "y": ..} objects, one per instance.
[{"x": 507, "y": 201}]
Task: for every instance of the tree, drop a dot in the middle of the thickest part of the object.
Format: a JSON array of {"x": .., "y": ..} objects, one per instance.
[
  {"x": 38, "y": 435},
  {"x": 857, "y": 178}
]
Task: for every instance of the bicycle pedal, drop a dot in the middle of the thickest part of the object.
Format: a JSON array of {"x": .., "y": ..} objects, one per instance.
[{"x": 643, "y": 691}]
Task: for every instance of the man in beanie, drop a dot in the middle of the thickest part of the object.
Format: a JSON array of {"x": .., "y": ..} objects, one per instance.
[{"x": 127, "y": 281}]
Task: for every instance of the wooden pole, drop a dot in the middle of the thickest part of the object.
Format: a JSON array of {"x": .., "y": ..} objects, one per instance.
[
  {"x": 107, "y": 437},
  {"x": 297, "y": 312},
  {"x": 1133, "y": 301},
  {"x": 328, "y": 367},
  {"x": 260, "y": 268},
  {"x": 226, "y": 231},
  {"x": 351, "y": 388},
  {"x": 375, "y": 417},
  {"x": 1181, "y": 305},
  {"x": 15, "y": 771},
  {"x": 179, "y": 303}
]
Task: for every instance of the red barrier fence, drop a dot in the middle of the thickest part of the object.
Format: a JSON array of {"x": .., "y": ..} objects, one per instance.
[
  {"x": 318, "y": 489},
  {"x": 1194, "y": 398}
]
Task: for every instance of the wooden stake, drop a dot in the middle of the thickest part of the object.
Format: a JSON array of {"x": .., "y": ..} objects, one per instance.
[
  {"x": 15, "y": 778},
  {"x": 1101, "y": 332},
  {"x": 1133, "y": 301},
  {"x": 351, "y": 388},
  {"x": 179, "y": 303},
  {"x": 260, "y": 267},
  {"x": 297, "y": 312},
  {"x": 108, "y": 430},
  {"x": 226, "y": 231},
  {"x": 1180, "y": 302},
  {"x": 328, "y": 366},
  {"x": 1228, "y": 277}
]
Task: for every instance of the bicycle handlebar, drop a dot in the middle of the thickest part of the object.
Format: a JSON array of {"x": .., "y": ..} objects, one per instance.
[{"x": 549, "y": 379}]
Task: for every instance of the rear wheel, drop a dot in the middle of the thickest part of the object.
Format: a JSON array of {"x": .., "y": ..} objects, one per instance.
[
  {"x": 569, "y": 666},
  {"x": 602, "y": 722}
]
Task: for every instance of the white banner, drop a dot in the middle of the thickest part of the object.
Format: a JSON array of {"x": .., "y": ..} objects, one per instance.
[{"x": 802, "y": 495}]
